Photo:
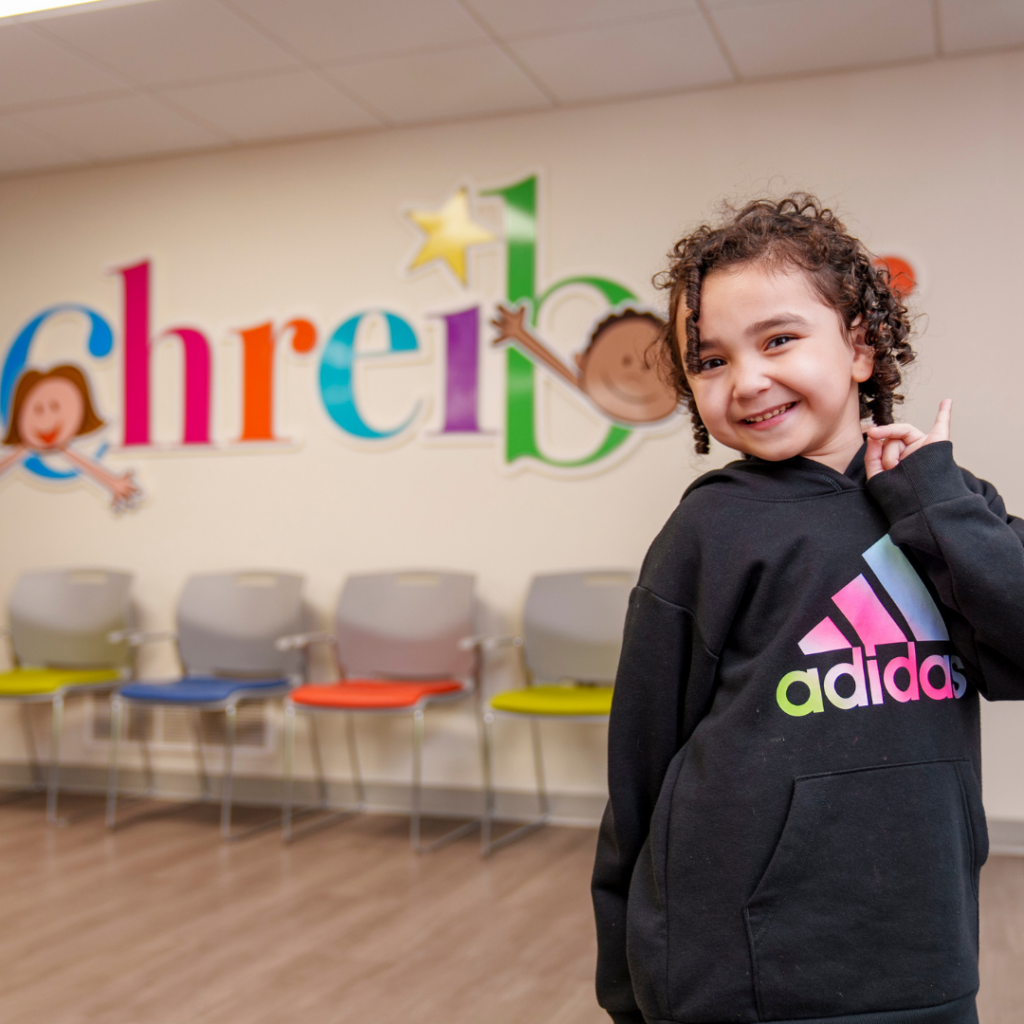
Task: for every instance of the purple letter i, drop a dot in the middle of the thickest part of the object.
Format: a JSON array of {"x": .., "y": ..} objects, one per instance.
[{"x": 462, "y": 372}]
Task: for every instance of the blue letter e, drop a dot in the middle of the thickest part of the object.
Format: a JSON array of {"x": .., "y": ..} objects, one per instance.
[{"x": 337, "y": 387}]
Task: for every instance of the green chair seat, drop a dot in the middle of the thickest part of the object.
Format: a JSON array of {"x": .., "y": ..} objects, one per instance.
[
  {"x": 28, "y": 682},
  {"x": 555, "y": 700}
]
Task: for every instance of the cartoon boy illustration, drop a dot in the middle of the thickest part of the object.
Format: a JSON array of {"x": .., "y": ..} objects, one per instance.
[
  {"x": 49, "y": 411},
  {"x": 613, "y": 371}
]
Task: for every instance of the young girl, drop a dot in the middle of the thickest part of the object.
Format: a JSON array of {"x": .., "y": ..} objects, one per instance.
[{"x": 795, "y": 827}]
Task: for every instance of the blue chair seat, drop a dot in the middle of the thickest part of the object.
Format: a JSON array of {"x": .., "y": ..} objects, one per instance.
[{"x": 197, "y": 689}]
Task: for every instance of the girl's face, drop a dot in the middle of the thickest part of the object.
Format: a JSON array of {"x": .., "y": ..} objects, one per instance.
[
  {"x": 51, "y": 414},
  {"x": 779, "y": 375}
]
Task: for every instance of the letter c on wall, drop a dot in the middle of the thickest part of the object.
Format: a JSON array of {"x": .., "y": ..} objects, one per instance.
[{"x": 337, "y": 384}]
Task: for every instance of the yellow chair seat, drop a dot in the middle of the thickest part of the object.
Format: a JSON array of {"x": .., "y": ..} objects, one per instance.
[
  {"x": 555, "y": 700},
  {"x": 27, "y": 682}
]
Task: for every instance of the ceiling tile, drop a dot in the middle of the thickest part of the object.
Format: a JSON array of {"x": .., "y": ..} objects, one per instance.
[
  {"x": 36, "y": 70},
  {"x": 329, "y": 31},
  {"x": 625, "y": 60},
  {"x": 273, "y": 106},
  {"x": 171, "y": 41},
  {"x": 121, "y": 127},
  {"x": 778, "y": 37},
  {"x": 438, "y": 86},
  {"x": 535, "y": 17},
  {"x": 22, "y": 149},
  {"x": 980, "y": 24}
]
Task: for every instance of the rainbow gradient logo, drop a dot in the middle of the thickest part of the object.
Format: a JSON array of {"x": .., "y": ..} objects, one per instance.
[{"x": 865, "y": 679}]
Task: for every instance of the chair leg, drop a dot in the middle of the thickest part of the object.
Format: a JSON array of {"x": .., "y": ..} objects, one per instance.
[
  {"x": 290, "y": 812},
  {"x": 197, "y": 731},
  {"x": 116, "y": 721},
  {"x": 353, "y": 759},
  {"x": 538, "y": 765},
  {"x": 56, "y": 727},
  {"x": 30, "y": 747},
  {"x": 416, "y": 816},
  {"x": 289, "y": 771},
  {"x": 229, "y": 757},
  {"x": 417, "y": 765},
  {"x": 147, "y": 761},
  {"x": 542, "y": 795},
  {"x": 318, "y": 762},
  {"x": 486, "y": 727}
]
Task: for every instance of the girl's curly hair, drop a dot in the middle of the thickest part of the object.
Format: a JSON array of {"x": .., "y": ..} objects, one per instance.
[{"x": 796, "y": 230}]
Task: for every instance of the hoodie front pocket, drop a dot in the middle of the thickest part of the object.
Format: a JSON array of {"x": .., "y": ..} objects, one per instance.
[{"x": 869, "y": 902}]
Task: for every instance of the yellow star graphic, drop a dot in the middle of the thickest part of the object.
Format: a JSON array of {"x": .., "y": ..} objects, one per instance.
[{"x": 450, "y": 232}]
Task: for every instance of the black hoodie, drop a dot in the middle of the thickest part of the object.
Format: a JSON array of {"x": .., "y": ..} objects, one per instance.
[{"x": 795, "y": 827}]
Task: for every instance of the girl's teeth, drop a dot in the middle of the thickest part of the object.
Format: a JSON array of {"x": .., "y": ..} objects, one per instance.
[{"x": 768, "y": 415}]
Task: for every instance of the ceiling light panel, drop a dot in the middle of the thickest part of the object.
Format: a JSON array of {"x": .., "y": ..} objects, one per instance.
[{"x": 24, "y": 10}]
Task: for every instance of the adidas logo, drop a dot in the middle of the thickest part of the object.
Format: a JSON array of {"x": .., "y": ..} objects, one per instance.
[{"x": 901, "y": 678}]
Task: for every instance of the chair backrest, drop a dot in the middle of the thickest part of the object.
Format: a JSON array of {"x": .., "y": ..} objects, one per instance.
[
  {"x": 61, "y": 617},
  {"x": 228, "y": 623},
  {"x": 406, "y": 625},
  {"x": 572, "y": 624}
]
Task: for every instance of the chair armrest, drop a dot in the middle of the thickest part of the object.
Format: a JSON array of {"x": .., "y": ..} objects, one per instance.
[
  {"x": 138, "y": 637},
  {"x": 484, "y": 642},
  {"x": 300, "y": 641}
]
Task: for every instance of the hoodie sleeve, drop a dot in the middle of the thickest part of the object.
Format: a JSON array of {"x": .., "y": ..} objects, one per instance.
[
  {"x": 958, "y": 532},
  {"x": 643, "y": 737}
]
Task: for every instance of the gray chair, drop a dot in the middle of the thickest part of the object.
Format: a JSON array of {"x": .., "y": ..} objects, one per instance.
[
  {"x": 60, "y": 623},
  {"x": 572, "y": 636},
  {"x": 227, "y": 628},
  {"x": 397, "y": 643}
]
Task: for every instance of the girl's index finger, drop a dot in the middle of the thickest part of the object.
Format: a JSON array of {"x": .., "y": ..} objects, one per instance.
[{"x": 941, "y": 428}]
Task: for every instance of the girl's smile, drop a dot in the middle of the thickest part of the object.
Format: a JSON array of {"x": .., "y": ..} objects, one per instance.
[
  {"x": 766, "y": 420},
  {"x": 779, "y": 371}
]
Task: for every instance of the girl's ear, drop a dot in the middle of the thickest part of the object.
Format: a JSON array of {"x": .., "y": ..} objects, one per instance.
[{"x": 863, "y": 353}]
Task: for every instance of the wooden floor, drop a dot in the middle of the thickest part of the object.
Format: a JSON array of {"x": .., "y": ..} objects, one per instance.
[{"x": 159, "y": 923}]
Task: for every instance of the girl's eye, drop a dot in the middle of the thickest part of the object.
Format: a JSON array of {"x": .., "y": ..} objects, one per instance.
[
  {"x": 711, "y": 364},
  {"x": 780, "y": 339}
]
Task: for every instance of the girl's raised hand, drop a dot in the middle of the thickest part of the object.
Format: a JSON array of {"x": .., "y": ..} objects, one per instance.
[{"x": 889, "y": 445}]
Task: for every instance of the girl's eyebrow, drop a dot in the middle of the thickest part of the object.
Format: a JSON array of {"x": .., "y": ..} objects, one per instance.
[{"x": 775, "y": 322}]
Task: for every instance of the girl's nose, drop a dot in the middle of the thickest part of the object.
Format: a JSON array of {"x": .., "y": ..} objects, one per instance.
[{"x": 749, "y": 378}]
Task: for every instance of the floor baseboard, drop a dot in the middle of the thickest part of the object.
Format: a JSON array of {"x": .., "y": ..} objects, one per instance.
[{"x": 581, "y": 810}]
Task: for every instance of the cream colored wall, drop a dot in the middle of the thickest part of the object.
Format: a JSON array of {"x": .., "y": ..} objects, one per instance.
[{"x": 925, "y": 160}]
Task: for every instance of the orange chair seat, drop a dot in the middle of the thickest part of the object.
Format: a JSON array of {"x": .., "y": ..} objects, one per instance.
[{"x": 370, "y": 694}]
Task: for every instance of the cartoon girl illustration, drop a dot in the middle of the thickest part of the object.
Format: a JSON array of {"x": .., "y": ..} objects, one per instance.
[
  {"x": 48, "y": 412},
  {"x": 614, "y": 371}
]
